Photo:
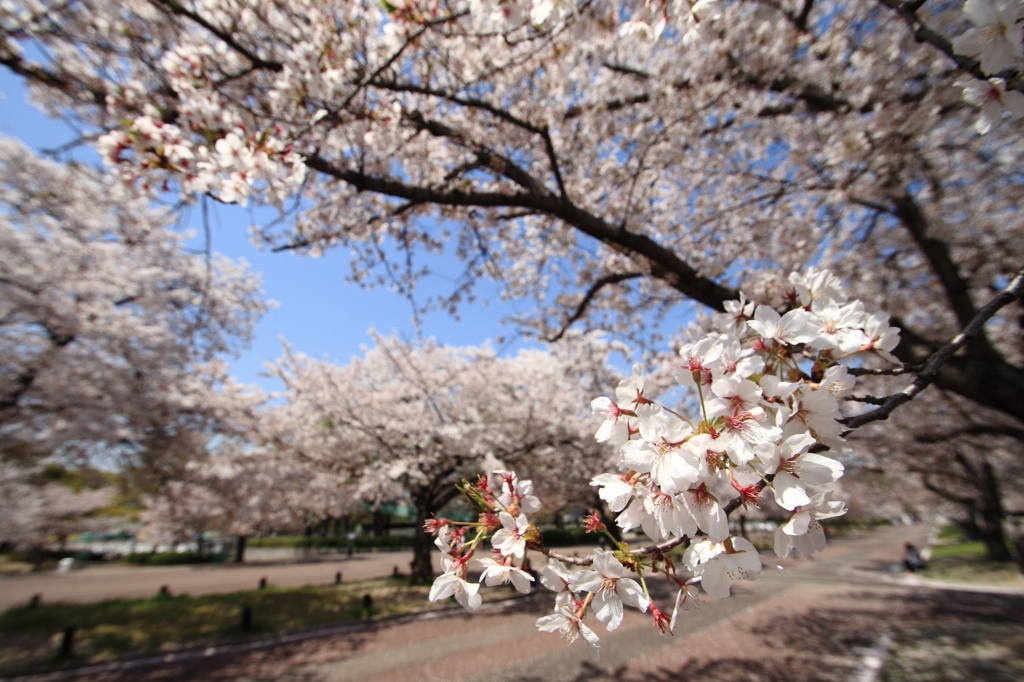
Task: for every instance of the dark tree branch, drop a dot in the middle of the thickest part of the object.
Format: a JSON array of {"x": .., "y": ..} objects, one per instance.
[
  {"x": 497, "y": 162},
  {"x": 663, "y": 262},
  {"x": 1007, "y": 296},
  {"x": 891, "y": 372},
  {"x": 581, "y": 308},
  {"x": 501, "y": 114},
  {"x": 176, "y": 8},
  {"x": 805, "y": 13},
  {"x": 37, "y": 74},
  {"x": 869, "y": 399},
  {"x": 938, "y": 255},
  {"x": 549, "y": 147},
  {"x": 946, "y": 494},
  {"x": 907, "y": 11}
]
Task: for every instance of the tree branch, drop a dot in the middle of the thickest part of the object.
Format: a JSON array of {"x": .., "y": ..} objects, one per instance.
[
  {"x": 581, "y": 308},
  {"x": 176, "y": 8},
  {"x": 907, "y": 11},
  {"x": 663, "y": 262},
  {"x": 1007, "y": 296},
  {"x": 891, "y": 372},
  {"x": 938, "y": 255}
]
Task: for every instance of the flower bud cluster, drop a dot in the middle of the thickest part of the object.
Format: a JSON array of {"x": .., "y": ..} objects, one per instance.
[
  {"x": 769, "y": 383},
  {"x": 503, "y": 517}
]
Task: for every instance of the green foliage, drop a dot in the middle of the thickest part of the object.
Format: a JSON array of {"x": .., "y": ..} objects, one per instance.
[
  {"x": 972, "y": 548},
  {"x": 385, "y": 542},
  {"x": 850, "y": 525},
  {"x": 951, "y": 533},
  {"x": 174, "y": 558},
  {"x": 33, "y": 555}
]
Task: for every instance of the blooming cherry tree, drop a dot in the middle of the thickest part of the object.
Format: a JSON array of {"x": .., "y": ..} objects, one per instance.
[
  {"x": 112, "y": 334},
  {"x": 606, "y": 160},
  {"x": 415, "y": 419},
  {"x": 682, "y": 475}
]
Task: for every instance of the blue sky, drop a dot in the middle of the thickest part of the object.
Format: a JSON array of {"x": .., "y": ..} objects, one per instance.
[{"x": 319, "y": 313}]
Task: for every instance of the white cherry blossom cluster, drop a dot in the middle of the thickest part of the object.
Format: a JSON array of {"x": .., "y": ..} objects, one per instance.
[
  {"x": 504, "y": 515},
  {"x": 996, "y": 39},
  {"x": 769, "y": 383},
  {"x": 232, "y": 169}
]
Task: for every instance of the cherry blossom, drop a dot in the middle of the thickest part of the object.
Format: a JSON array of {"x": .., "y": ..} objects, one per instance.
[
  {"x": 996, "y": 35},
  {"x": 557, "y": 578},
  {"x": 719, "y": 564},
  {"x": 446, "y": 127},
  {"x": 569, "y": 625},
  {"x": 450, "y": 584},
  {"x": 609, "y": 588},
  {"x": 511, "y": 539},
  {"x": 113, "y": 335},
  {"x": 994, "y": 100},
  {"x": 803, "y": 530},
  {"x": 498, "y": 573}
]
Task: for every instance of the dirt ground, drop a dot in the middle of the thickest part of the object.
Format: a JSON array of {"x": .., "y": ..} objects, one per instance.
[{"x": 834, "y": 618}]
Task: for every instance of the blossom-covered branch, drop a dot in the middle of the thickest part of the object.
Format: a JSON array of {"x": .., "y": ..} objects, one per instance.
[{"x": 769, "y": 385}]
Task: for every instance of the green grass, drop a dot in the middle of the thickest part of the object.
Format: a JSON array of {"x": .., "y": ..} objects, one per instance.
[
  {"x": 951, "y": 533},
  {"x": 965, "y": 561},
  {"x": 972, "y": 548},
  {"x": 29, "y": 638}
]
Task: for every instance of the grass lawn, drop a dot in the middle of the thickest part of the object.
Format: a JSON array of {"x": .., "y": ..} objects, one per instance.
[
  {"x": 963, "y": 561},
  {"x": 30, "y": 637}
]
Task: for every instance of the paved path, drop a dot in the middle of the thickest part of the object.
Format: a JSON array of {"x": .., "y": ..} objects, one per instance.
[
  {"x": 96, "y": 583},
  {"x": 819, "y": 624}
]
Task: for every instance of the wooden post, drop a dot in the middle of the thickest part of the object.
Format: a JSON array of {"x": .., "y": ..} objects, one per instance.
[
  {"x": 337, "y": 578},
  {"x": 67, "y": 642},
  {"x": 35, "y": 600},
  {"x": 263, "y": 583},
  {"x": 246, "y": 618}
]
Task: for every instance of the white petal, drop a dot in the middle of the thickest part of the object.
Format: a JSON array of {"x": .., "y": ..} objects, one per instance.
[
  {"x": 715, "y": 580},
  {"x": 592, "y": 641},
  {"x": 631, "y": 593},
  {"x": 798, "y": 524},
  {"x": 789, "y": 492},
  {"x": 1014, "y": 103},
  {"x": 608, "y": 610}
]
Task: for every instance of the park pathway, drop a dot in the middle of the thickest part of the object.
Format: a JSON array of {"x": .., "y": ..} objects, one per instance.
[
  {"x": 100, "y": 582},
  {"x": 819, "y": 623}
]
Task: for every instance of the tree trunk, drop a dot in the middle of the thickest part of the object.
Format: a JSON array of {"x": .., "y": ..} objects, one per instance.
[
  {"x": 240, "y": 549},
  {"x": 992, "y": 515},
  {"x": 994, "y": 538},
  {"x": 421, "y": 569}
]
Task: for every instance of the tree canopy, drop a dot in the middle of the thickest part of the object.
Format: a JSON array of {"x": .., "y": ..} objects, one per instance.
[{"x": 611, "y": 160}]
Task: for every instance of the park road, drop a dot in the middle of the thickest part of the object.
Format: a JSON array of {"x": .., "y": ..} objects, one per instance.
[
  {"x": 100, "y": 582},
  {"x": 817, "y": 624}
]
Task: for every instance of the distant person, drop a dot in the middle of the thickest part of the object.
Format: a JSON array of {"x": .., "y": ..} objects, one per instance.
[{"x": 913, "y": 562}]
